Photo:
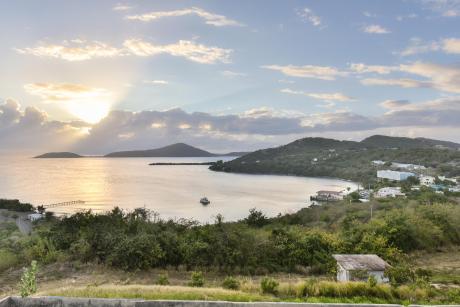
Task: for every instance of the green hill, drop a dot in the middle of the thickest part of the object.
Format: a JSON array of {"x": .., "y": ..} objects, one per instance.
[
  {"x": 320, "y": 157},
  {"x": 382, "y": 141},
  {"x": 175, "y": 150}
]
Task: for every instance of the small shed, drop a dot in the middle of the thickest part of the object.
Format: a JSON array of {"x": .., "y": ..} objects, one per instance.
[
  {"x": 35, "y": 217},
  {"x": 360, "y": 267}
]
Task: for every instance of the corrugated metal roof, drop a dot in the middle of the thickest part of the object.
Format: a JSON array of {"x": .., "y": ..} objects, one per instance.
[{"x": 361, "y": 262}]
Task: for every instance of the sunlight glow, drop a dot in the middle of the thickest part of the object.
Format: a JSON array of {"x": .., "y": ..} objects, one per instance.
[{"x": 89, "y": 111}]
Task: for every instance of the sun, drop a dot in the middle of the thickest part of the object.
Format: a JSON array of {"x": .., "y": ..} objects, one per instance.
[{"x": 88, "y": 111}]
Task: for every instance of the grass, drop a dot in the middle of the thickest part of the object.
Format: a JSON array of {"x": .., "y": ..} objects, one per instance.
[
  {"x": 445, "y": 265},
  {"x": 159, "y": 293}
]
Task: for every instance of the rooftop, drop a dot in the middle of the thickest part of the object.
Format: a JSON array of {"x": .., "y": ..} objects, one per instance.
[{"x": 361, "y": 262}]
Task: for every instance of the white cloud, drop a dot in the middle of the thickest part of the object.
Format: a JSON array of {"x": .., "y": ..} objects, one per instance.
[
  {"x": 308, "y": 71},
  {"x": 379, "y": 69},
  {"x": 451, "y": 45},
  {"x": 375, "y": 29},
  {"x": 407, "y": 83},
  {"x": 73, "y": 50},
  {"x": 369, "y": 14},
  {"x": 187, "y": 49},
  {"x": 86, "y": 103},
  {"x": 394, "y": 104},
  {"x": 416, "y": 46},
  {"x": 210, "y": 18},
  {"x": 321, "y": 96},
  {"x": 156, "y": 82},
  {"x": 446, "y": 8},
  {"x": 308, "y": 15},
  {"x": 121, "y": 7},
  {"x": 232, "y": 74},
  {"x": 447, "y": 45},
  {"x": 80, "y": 50},
  {"x": 440, "y": 77}
]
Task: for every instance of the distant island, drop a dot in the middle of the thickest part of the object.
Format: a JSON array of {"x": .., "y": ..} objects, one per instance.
[
  {"x": 350, "y": 160},
  {"x": 178, "y": 150},
  {"x": 58, "y": 155}
]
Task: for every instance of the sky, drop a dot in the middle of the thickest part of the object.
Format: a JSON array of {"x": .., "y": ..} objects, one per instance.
[{"x": 99, "y": 76}]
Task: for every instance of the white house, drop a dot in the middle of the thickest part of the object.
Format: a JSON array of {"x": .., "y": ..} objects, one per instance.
[
  {"x": 426, "y": 180},
  {"x": 389, "y": 192},
  {"x": 360, "y": 267},
  {"x": 394, "y": 175},
  {"x": 378, "y": 162},
  {"x": 35, "y": 217}
]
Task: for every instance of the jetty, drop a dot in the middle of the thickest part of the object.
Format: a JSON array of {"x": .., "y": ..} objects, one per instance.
[{"x": 182, "y": 163}]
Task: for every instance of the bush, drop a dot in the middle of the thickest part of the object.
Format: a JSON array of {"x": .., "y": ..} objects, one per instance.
[
  {"x": 269, "y": 285},
  {"x": 231, "y": 283},
  {"x": 7, "y": 260},
  {"x": 28, "y": 284},
  {"x": 162, "y": 280},
  {"x": 196, "y": 279}
]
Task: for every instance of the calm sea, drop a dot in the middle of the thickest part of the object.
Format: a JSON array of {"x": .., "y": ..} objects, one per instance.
[{"x": 172, "y": 191}]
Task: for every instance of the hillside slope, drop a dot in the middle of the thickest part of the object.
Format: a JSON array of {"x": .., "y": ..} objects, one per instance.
[{"x": 320, "y": 157}]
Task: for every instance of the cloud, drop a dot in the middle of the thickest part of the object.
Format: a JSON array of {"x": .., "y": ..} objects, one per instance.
[
  {"x": 31, "y": 129},
  {"x": 321, "y": 96},
  {"x": 187, "y": 49},
  {"x": 255, "y": 128},
  {"x": 375, "y": 29},
  {"x": 394, "y": 104},
  {"x": 369, "y": 14},
  {"x": 446, "y": 8},
  {"x": 81, "y": 50},
  {"x": 59, "y": 92},
  {"x": 440, "y": 77},
  {"x": 156, "y": 82},
  {"x": 232, "y": 74},
  {"x": 417, "y": 46},
  {"x": 121, "y": 7},
  {"x": 209, "y": 18},
  {"x": 379, "y": 69},
  {"x": 73, "y": 50},
  {"x": 308, "y": 71},
  {"x": 406, "y": 83},
  {"x": 87, "y": 103},
  {"x": 451, "y": 45},
  {"x": 307, "y": 15}
]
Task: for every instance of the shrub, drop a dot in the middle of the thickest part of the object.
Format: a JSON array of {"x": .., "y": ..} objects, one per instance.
[
  {"x": 162, "y": 280},
  {"x": 196, "y": 279},
  {"x": 231, "y": 282},
  {"x": 269, "y": 285},
  {"x": 7, "y": 259},
  {"x": 28, "y": 284}
]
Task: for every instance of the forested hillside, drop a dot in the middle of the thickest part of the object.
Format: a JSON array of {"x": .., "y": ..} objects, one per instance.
[{"x": 345, "y": 159}]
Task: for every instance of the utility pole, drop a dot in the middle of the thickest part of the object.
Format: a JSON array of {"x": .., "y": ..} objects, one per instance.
[{"x": 370, "y": 199}]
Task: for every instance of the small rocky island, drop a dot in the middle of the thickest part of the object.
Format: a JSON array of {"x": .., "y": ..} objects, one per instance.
[{"x": 57, "y": 155}]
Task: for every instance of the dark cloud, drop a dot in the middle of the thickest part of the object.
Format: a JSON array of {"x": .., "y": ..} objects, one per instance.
[{"x": 122, "y": 130}]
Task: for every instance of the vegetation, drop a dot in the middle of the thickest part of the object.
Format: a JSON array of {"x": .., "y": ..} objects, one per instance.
[
  {"x": 319, "y": 157},
  {"x": 15, "y": 205},
  {"x": 299, "y": 243},
  {"x": 29, "y": 280}
]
